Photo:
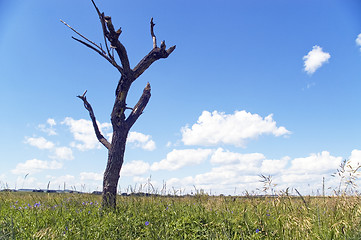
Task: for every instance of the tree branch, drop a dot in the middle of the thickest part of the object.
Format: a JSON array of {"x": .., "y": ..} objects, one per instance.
[
  {"x": 82, "y": 36},
  {"x": 105, "y": 32},
  {"x": 97, "y": 48},
  {"x": 88, "y": 107},
  {"x": 120, "y": 69},
  {"x": 152, "y": 33},
  {"x": 116, "y": 44},
  {"x": 139, "y": 107},
  {"x": 152, "y": 56}
]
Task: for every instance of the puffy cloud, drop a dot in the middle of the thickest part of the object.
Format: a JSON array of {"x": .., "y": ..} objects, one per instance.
[
  {"x": 274, "y": 166},
  {"x": 141, "y": 140},
  {"x": 63, "y": 153},
  {"x": 91, "y": 176},
  {"x": 220, "y": 156},
  {"x": 179, "y": 158},
  {"x": 236, "y": 171},
  {"x": 48, "y": 129},
  {"x": 83, "y": 132},
  {"x": 51, "y": 122},
  {"x": 358, "y": 41},
  {"x": 293, "y": 178},
  {"x": 220, "y": 128},
  {"x": 316, "y": 163},
  {"x": 315, "y": 59},
  {"x": 354, "y": 161},
  {"x": 35, "y": 165},
  {"x": 39, "y": 142},
  {"x": 135, "y": 168}
]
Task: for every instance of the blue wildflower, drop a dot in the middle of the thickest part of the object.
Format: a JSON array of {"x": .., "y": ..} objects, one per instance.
[
  {"x": 146, "y": 223},
  {"x": 257, "y": 230}
]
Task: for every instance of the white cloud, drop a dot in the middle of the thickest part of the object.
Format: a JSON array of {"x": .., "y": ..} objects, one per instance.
[
  {"x": 316, "y": 163},
  {"x": 134, "y": 168},
  {"x": 179, "y": 158},
  {"x": 236, "y": 171},
  {"x": 220, "y": 128},
  {"x": 274, "y": 166},
  {"x": 49, "y": 130},
  {"x": 355, "y": 159},
  {"x": 35, "y": 165},
  {"x": 221, "y": 156},
  {"x": 358, "y": 41},
  {"x": 28, "y": 182},
  {"x": 141, "y": 140},
  {"x": 91, "y": 176},
  {"x": 315, "y": 59},
  {"x": 83, "y": 132},
  {"x": 39, "y": 142},
  {"x": 63, "y": 153},
  {"x": 51, "y": 122}
]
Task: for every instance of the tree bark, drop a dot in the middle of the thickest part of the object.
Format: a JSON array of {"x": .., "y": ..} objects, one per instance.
[
  {"x": 120, "y": 123},
  {"x": 114, "y": 165}
]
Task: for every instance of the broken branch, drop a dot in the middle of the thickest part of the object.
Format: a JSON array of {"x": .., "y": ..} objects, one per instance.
[
  {"x": 152, "y": 33},
  {"x": 88, "y": 107},
  {"x": 139, "y": 107}
]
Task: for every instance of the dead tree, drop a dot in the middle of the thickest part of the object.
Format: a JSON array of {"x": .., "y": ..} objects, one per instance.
[{"x": 121, "y": 122}]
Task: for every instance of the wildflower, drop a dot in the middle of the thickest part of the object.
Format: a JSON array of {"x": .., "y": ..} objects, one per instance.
[
  {"x": 146, "y": 223},
  {"x": 257, "y": 230},
  {"x": 268, "y": 215}
]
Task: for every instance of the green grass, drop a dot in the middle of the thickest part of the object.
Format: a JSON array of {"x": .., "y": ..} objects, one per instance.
[{"x": 79, "y": 216}]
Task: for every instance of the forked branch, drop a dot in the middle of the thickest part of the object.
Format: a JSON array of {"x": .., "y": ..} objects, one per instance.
[
  {"x": 81, "y": 35},
  {"x": 96, "y": 48},
  {"x": 88, "y": 107},
  {"x": 155, "y": 54}
]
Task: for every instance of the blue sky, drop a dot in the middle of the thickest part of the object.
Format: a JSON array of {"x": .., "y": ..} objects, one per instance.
[{"x": 253, "y": 87}]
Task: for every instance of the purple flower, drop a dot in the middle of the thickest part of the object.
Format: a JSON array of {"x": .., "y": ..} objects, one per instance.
[
  {"x": 257, "y": 230},
  {"x": 146, "y": 223}
]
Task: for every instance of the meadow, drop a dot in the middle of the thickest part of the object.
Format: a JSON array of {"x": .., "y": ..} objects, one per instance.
[{"x": 80, "y": 216}]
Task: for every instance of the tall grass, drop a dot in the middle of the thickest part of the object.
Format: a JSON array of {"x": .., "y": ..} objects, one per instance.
[{"x": 79, "y": 216}]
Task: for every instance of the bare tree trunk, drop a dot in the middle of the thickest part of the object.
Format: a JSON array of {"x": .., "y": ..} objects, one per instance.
[
  {"x": 114, "y": 165},
  {"x": 120, "y": 123}
]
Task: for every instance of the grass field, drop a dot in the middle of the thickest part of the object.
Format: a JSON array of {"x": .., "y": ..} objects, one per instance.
[{"x": 79, "y": 216}]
